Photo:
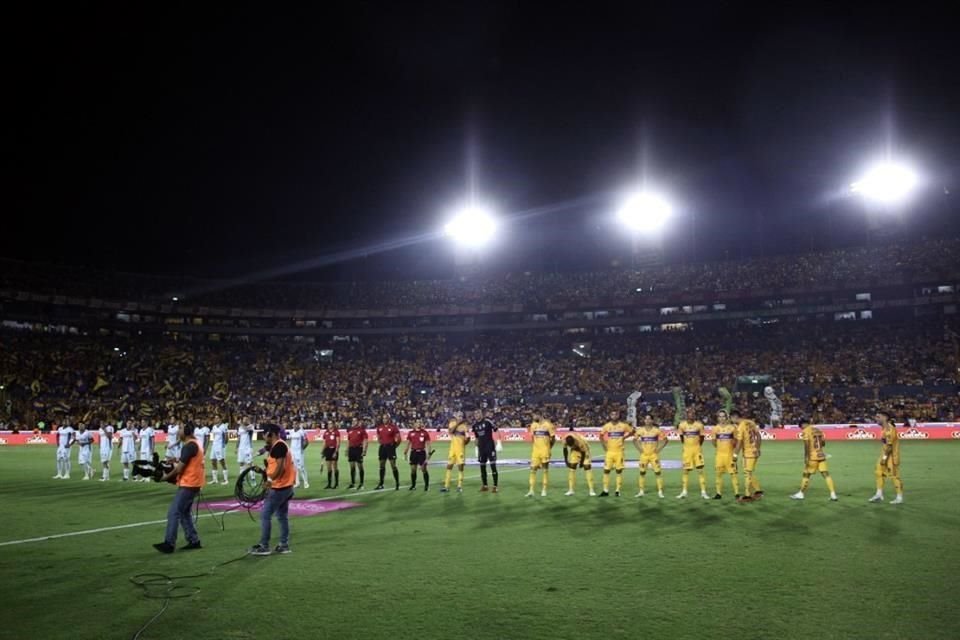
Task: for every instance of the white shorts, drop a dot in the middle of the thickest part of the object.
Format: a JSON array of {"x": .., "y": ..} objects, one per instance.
[
  {"x": 85, "y": 455},
  {"x": 245, "y": 456},
  {"x": 298, "y": 461},
  {"x": 126, "y": 457},
  {"x": 106, "y": 455},
  {"x": 63, "y": 453},
  {"x": 216, "y": 453},
  {"x": 145, "y": 454},
  {"x": 173, "y": 451}
]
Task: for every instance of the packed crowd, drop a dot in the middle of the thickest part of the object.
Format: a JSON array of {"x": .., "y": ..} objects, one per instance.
[
  {"x": 863, "y": 265},
  {"x": 834, "y": 372}
]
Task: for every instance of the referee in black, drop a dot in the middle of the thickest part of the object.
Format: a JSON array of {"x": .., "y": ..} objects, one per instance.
[{"x": 487, "y": 440}]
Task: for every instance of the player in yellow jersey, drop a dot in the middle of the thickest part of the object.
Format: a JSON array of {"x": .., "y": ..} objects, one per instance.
[
  {"x": 613, "y": 434},
  {"x": 888, "y": 466},
  {"x": 544, "y": 435},
  {"x": 576, "y": 453},
  {"x": 459, "y": 437},
  {"x": 692, "y": 435},
  {"x": 748, "y": 447},
  {"x": 725, "y": 443},
  {"x": 650, "y": 441},
  {"x": 814, "y": 459}
]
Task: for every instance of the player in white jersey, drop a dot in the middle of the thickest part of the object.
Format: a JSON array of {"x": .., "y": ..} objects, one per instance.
[
  {"x": 218, "y": 450},
  {"x": 106, "y": 450},
  {"x": 202, "y": 434},
  {"x": 128, "y": 448},
  {"x": 298, "y": 441},
  {"x": 245, "y": 445},
  {"x": 173, "y": 442},
  {"x": 147, "y": 436},
  {"x": 85, "y": 442},
  {"x": 65, "y": 439}
]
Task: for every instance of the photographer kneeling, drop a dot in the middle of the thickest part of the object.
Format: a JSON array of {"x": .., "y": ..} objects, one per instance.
[{"x": 189, "y": 475}]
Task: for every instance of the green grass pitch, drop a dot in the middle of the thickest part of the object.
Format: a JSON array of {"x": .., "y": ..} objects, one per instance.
[{"x": 426, "y": 565}]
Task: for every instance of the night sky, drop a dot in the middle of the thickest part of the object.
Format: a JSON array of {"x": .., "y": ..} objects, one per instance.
[{"x": 225, "y": 141}]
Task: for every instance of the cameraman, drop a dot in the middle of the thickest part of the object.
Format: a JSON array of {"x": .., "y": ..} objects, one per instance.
[
  {"x": 189, "y": 475},
  {"x": 281, "y": 475}
]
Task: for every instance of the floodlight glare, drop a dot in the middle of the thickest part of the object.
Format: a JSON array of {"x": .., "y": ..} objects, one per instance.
[
  {"x": 887, "y": 183},
  {"x": 645, "y": 212},
  {"x": 472, "y": 226}
]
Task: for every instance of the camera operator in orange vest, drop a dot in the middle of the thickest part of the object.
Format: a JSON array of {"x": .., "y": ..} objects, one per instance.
[
  {"x": 189, "y": 475},
  {"x": 281, "y": 476}
]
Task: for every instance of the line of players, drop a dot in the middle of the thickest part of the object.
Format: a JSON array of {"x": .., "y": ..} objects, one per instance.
[{"x": 735, "y": 438}]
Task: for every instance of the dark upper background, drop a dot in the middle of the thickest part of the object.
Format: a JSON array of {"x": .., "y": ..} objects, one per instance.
[{"x": 226, "y": 140}]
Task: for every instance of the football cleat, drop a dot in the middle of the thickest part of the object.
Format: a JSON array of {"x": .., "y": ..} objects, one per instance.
[
  {"x": 704, "y": 495},
  {"x": 484, "y": 489},
  {"x": 833, "y": 497},
  {"x": 569, "y": 493},
  {"x": 604, "y": 494},
  {"x": 616, "y": 494},
  {"x": 877, "y": 497},
  {"x": 718, "y": 497},
  {"x": 639, "y": 494},
  {"x": 593, "y": 493},
  {"x": 444, "y": 490},
  {"x": 529, "y": 494},
  {"x": 543, "y": 493},
  {"x": 660, "y": 494},
  {"x": 797, "y": 496},
  {"x": 682, "y": 495},
  {"x": 897, "y": 500}
]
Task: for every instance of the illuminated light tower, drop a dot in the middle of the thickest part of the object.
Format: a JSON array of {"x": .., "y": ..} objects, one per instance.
[
  {"x": 472, "y": 226},
  {"x": 644, "y": 212},
  {"x": 887, "y": 183}
]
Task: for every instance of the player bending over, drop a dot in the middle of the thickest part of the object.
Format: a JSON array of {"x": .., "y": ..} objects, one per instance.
[{"x": 576, "y": 453}]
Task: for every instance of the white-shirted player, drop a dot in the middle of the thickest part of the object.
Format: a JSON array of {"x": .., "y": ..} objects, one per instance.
[
  {"x": 202, "y": 434},
  {"x": 147, "y": 438},
  {"x": 245, "y": 444},
  {"x": 85, "y": 442},
  {"x": 128, "y": 448},
  {"x": 173, "y": 442},
  {"x": 106, "y": 450},
  {"x": 218, "y": 450},
  {"x": 299, "y": 442},
  {"x": 65, "y": 439}
]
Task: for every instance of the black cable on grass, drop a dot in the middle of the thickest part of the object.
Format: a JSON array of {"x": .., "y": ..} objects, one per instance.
[
  {"x": 159, "y": 586},
  {"x": 249, "y": 490}
]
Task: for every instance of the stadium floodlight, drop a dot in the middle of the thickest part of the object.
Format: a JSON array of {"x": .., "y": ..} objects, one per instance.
[
  {"x": 472, "y": 226},
  {"x": 886, "y": 183},
  {"x": 644, "y": 212}
]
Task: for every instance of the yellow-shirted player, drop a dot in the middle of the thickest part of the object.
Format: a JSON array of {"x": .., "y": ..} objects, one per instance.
[
  {"x": 613, "y": 434},
  {"x": 459, "y": 437},
  {"x": 748, "y": 446},
  {"x": 692, "y": 435},
  {"x": 650, "y": 441},
  {"x": 544, "y": 434},
  {"x": 888, "y": 466},
  {"x": 814, "y": 459},
  {"x": 725, "y": 443},
  {"x": 576, "y": 452}
]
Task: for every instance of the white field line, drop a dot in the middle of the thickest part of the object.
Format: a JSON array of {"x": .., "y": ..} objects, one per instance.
[{"x": 132, "y": 525}]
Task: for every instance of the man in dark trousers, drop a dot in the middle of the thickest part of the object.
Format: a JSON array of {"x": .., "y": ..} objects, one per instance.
[{"x": 488, "y": 443}]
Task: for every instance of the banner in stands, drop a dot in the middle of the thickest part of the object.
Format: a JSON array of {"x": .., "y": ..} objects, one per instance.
[{"x": 922, "y": 431}]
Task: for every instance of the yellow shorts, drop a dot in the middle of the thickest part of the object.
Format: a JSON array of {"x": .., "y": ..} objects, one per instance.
[
  {"x": 692, "y": 459},
  {"x": 575, "y": 458},
  {"x": 539, "y": 459},
  {"x": 750, "y": 464},
  {"x": 650, "y": 460},
  {"x": 455, "y": 457},
  {"x": 725, "y": 464},
  {"x": 613, "y": 460},
  {"x": 888, "y": 469},
  {"x": 815, "y": 466}
]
